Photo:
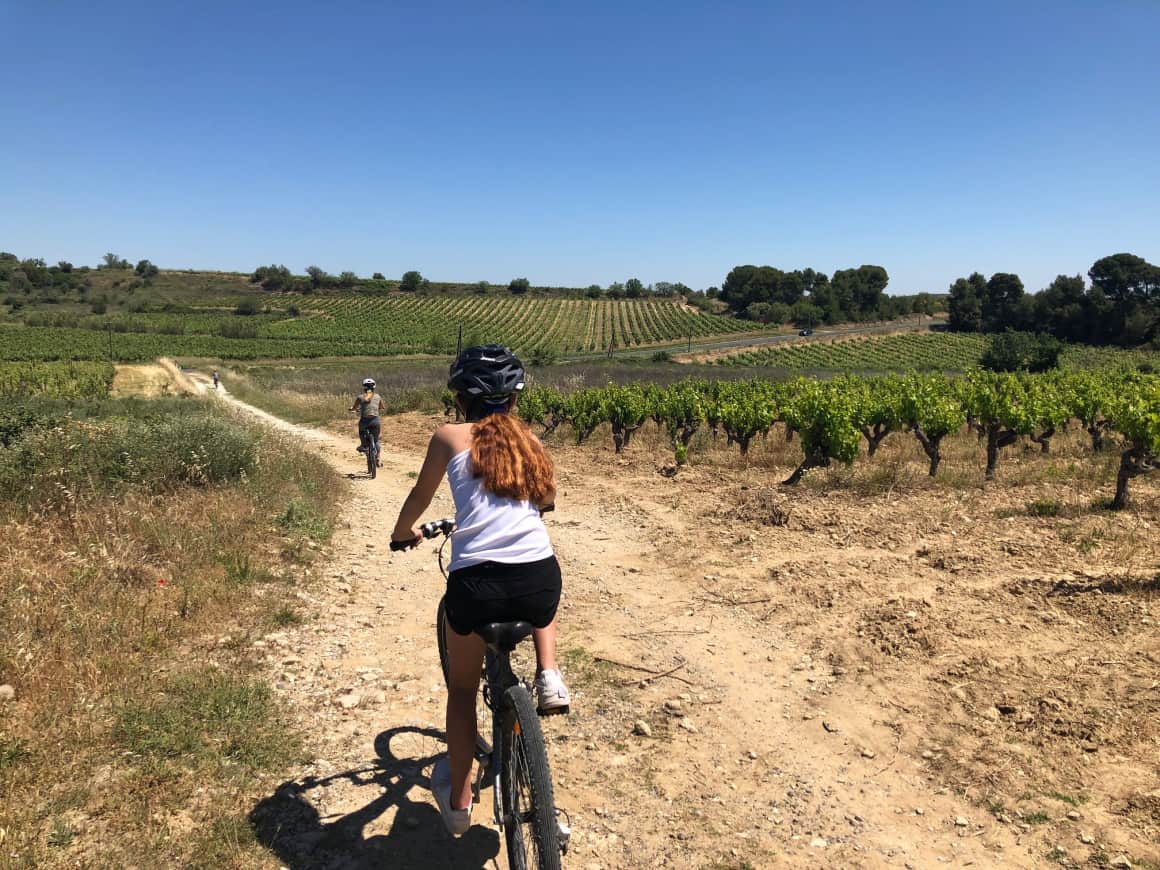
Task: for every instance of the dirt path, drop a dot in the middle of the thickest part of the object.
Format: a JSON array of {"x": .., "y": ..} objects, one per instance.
[{"x": 761, "y": 751}]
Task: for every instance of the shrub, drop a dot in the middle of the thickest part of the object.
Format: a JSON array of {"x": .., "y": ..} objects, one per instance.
[
  {"x": 233, "y": 329},
  {"x": 1022, "y": 351},
  {"x": 542, "y": 356},
  {"x": 411, "y": 281},
  {"x": 52, "y": 459}
]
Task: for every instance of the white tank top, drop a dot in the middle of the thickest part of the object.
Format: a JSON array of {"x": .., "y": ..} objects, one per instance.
[{"x": 489, "y": 527}]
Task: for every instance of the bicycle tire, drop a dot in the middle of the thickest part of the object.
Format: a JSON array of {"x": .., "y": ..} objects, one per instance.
[
  {"x": 529, "y": 808},
  {"x": 441, "y": 639},
  {"x": 372, "y": 457}
]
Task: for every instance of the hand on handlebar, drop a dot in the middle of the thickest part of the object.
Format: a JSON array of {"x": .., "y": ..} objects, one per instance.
[
  {"x": 407, "y": 543},
  {"x": 427, "y": 530}
]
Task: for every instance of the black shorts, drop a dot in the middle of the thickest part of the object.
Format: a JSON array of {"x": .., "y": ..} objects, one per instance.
[
  {"x": 503, "y": 592},
  {"x": 369, "y": 425}
]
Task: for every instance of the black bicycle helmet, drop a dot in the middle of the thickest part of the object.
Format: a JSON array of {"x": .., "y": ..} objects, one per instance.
[{"x": 489, "y": 372}]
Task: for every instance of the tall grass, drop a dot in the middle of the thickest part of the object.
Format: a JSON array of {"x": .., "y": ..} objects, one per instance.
[{"x": 133, "y": 537}]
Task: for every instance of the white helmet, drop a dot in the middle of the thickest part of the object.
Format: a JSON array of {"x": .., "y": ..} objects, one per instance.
[{"x": 369, "y": 383}]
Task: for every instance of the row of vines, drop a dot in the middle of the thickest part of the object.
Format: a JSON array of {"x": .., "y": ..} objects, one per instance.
[
  {"x": 936, "y": 351},
  {"x": 364, "y": 326},
  {"x": 832, "y": 418}
]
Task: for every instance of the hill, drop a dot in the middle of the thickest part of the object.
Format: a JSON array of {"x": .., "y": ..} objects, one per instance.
[{"x": 120, "y": 315}]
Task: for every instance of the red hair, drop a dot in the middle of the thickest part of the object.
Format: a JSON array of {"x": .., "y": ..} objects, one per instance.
[{"x": 511, "y": 460}]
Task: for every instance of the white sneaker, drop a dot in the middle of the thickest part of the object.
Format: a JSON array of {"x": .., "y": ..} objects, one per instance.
[
  {"x": 551, "y": 693},
  {"x": 457, "y": 821}
]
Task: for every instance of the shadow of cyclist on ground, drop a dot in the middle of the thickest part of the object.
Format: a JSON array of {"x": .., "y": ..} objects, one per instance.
[{"x": 288, "y": 823}]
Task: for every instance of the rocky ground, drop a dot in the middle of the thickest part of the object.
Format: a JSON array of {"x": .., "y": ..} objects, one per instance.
[{"x": 897, "y": 676}]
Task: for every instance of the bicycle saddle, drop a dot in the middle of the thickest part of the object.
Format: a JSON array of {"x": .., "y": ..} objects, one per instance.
[{"x": 504, "y": 635}]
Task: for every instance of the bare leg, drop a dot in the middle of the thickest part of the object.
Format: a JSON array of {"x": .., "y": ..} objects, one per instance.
[
  {"x": 545, "y": 641},
  {"x": 466, "y": 662}
]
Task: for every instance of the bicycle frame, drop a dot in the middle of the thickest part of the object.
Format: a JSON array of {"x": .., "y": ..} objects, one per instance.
[{"x": 500, "y": 677}]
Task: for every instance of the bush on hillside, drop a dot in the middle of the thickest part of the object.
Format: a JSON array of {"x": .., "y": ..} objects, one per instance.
[
  {"x": 1022, "y": 351},
  {"x": 51, "y": 460}
]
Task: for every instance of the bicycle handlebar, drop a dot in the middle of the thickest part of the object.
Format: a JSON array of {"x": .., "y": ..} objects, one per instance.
[
  {"x": 444, "y": 526},
  {"x": 429, "y": 530}
]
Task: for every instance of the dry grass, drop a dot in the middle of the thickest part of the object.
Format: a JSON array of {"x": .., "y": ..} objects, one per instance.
[{"x": 134, "y": 738}]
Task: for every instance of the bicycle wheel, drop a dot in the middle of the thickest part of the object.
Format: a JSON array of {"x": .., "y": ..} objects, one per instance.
[
  {"x": 529, "y": 809},
  {"x": 372, "y": 457},
  {"x": 441, "y": 637}
]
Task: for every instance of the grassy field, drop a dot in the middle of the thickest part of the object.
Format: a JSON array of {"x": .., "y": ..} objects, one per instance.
[{"x": 145, "y": 546}]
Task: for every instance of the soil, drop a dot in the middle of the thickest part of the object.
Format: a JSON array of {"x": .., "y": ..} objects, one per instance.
[{"x": 916, "y": 678}]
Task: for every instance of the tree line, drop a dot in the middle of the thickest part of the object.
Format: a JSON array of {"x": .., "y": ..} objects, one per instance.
[
  {"x": 806, "y": 296},
  {"x": 277, "y": 278},
  {"x": 1121, "y": 305}
]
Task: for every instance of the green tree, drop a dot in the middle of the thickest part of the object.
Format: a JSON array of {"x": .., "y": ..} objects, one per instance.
[
  {"x": 859, "y": 291},
  {"x": 1131, "y": 286},
  {"x": 806, "y": 314},
  {"x": 273, "y": 278},
  {"x": 1013, "y": 351},
  {"x": 411, "y": 281},
  {"x": 1001, "y": 303},
  {"x": 633, "y": 289},
  {"x": 378, "y": 276},
  {"x": 347, "y": 280},
  {"x": 965, "y": 306},
  {"x": 145, "y": 269},
  {"x": 317, "y": 276},
  {"x": 519, "y": 286},
  {"x": 112, "y": 261},
  {"x": 1125, "y": 278}
]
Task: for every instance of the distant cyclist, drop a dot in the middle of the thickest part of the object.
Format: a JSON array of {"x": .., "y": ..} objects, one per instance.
[
  {"x": 216, "y": 378},
  {"x": 370, "y": 407},
  {"x": 502, "y": 565}
]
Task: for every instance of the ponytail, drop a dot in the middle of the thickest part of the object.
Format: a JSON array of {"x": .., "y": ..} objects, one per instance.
[{"x": 510, "y": 459}]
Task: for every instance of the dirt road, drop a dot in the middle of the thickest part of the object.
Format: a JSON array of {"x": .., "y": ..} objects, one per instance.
[{"x": 776, "y": 740}]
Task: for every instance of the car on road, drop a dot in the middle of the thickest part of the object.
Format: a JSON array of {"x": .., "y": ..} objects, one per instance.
[{"x": 806, "y": 331}]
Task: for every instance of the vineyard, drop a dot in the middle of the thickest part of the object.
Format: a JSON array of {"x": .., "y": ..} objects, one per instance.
[
  {"x": 941, "y": 351},
  {"x": 832, "y": 418},
  {"x": 311, "y": 327},
  {"x": 57, "y": 380}
]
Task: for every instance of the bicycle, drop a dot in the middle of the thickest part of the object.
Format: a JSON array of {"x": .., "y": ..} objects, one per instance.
[
  {"x": 371, "y": 447},
  {"x": 523, "y": 803}
]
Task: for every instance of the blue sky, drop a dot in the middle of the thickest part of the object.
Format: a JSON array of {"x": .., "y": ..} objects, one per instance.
[{"x": 583, "y": 143}]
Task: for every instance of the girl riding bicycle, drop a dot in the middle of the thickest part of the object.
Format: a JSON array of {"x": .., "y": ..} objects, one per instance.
[
  {"x": 502, "y": 566},
  {"x": 369, "y": 406}
]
